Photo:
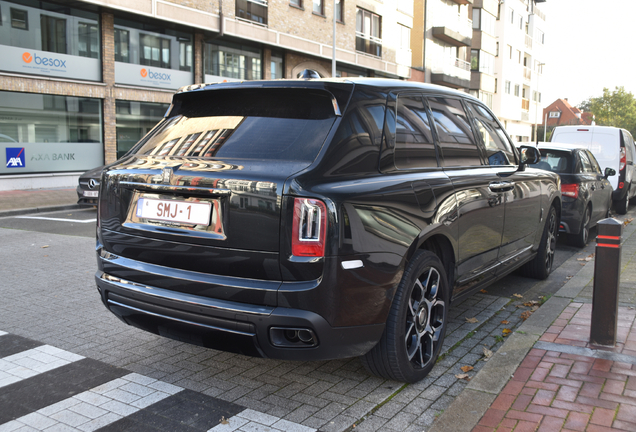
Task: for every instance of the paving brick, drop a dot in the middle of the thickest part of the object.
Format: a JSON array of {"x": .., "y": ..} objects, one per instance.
[
  {"x": 492, "y": 417},
  {"x": 543, "y": 397},
  {"x": 603, "y": 417},
  {"x": 551, "y": 424},
  {"x": 577, "y": 421}
]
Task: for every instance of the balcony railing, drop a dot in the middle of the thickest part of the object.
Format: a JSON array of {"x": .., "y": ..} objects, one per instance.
[
  {"x": 455, "y": 22},
  {"x": 527, "y": 74},
  {"x": 455, "y": 67},
  {"x": 528, "y": 41},
  {"x": 369, "y": 44},
  {"x": 525, "y": 104}
]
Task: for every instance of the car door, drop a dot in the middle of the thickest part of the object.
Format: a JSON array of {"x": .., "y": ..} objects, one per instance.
[
  {"x": 479, "y": 199},
  {"x": 521, "y": 189}
]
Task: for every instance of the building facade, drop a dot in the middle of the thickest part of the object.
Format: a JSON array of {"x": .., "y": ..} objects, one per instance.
[
  {"x": 80, "y": 84},
  {"x": 519, "y": 63}
]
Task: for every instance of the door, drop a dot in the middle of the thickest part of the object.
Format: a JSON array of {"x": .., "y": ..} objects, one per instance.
[{"x": 477, "y": 189}]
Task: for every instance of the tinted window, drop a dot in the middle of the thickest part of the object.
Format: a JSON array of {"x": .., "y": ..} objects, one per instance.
[
  {"x": 585, "y": 162},
  {"x": 498, "y": 148},
  {"x": 558, "y": 161},
  {"x": 595, "y": 167},
  {"x": 414, "y": 144},
  {"x": 456, "y": 139},
  {"x": 269, "y": 124}
]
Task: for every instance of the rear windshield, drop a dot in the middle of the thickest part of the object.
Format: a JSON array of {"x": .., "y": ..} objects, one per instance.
[
  {"x": 269, "y": 124},
  {"x": 604, "y": 146},
  {"x": 556, "y": 161}
]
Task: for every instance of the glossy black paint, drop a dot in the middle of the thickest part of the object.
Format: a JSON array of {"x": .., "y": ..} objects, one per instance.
[
  {"x": 88, "y": 184},
  {"x": 195, "y": 283}
]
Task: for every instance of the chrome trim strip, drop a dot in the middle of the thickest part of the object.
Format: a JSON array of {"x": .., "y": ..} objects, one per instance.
[
  {"x": 220, "y": 305},
  {"x": 350, "y": 265},
  {"x": 180, "y": 320},
  {"x": 172, "y": 189},
  {"x": 498, "y": 264}
]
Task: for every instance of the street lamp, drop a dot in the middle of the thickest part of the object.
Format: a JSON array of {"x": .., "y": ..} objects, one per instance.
[{"x": 536, "y": 106}]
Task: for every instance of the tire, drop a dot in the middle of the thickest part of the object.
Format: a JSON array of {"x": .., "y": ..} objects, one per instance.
[
  {"x": 541, "y": 265},
  {"x": 622, "y": 205},
  {"x": 415, "y": 327},
  {"x": 580, "y": 240}
]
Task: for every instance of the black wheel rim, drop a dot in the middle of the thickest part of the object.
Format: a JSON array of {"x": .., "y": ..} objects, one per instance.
[
  {"x": 424, "y": 319},
  {"x": 550, "y": 242}
]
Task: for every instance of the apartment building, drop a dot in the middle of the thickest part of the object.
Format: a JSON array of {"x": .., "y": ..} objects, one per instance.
[
  {"x": 82, "y": 81},
  {"x": 518, "y": 65},
  {"x": 440, "y": 42}
]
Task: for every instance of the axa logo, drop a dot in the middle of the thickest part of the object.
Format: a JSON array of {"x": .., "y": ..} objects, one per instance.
[
  {"x": 27, "y": 57},
  {"x": 15, "y": 157},
  {"x": 146, "y": 73}
]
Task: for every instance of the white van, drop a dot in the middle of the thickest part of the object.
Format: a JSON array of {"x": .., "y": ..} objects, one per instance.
[{"x": 614, "y": 148}]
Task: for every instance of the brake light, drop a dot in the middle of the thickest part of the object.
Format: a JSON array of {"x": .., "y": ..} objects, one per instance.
[
  {"x": 570, "y": 190},
  {"x": 621, "y": 185},
  {"x": 309, "y": 228},
  {"x": 623, "y": 159}
]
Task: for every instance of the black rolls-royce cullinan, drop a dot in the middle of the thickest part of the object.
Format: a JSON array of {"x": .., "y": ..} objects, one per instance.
[{"x": 316, "y": 219}]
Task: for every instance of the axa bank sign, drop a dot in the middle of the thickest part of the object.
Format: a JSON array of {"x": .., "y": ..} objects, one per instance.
[
  {"x": 35, "y": 62},
  {"x": 147, "y": 76}
]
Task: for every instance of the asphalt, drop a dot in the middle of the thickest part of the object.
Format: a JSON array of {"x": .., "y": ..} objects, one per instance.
[{"x": 544, "y": 376}]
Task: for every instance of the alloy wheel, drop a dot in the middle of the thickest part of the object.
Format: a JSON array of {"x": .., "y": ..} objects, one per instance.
[
  {"x": 551, "y": 241},
  {"x": 424, "y": 319}
]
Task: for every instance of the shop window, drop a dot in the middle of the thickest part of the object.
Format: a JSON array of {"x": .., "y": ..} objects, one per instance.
[
  {"x": 234, "y": 62},
  {"x": 53, "y": 33},
  {"x": 88, "y": 40},
  {"x": 185, "y": 55},
  {"x": 368, "y": 33},
  {"x": 276, "y": 67},
  {"x": 122, "y": 45},
  {"x": 154, "y": 51},
  {"x": 252, "y": 10},
  {"x": 19, "y": 19}
]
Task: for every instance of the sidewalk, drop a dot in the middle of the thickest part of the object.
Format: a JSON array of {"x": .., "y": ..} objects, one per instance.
[
  {"x": 16, "y": 202},
  {"x": 547, "y": 377}
]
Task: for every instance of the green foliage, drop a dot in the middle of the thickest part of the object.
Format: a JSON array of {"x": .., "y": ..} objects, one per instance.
[{"x": 615, "y": 108}]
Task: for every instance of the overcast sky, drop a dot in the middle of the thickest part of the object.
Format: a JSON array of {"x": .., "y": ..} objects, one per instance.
[{"x": 590, "y": 44}]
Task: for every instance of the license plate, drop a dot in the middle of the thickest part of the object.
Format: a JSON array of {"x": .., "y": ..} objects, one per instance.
[
  {"x": 91, "y": 194},
  {"x": 194, "y": 213}
]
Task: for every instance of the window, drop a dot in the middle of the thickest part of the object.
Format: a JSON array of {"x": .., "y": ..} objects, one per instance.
[
  {"x": 497, "y": 49},
  {"x": 339, "y": 11},
  {"x": 368, "y": 35},
  {"x": 297, "y": 3},
  {"x": 517, "y": 90},
  {"x": 253, "y": 10},
  {"x": 414, "y": 145},
  {"x": 154, "y": 51},
  {"x": 53, "y": 34},
  {"x": 134, "y": 120},
  {"x": 238, "y": 62},
  {"x": 520, "y": 23},
  {"x": 318, "y": 7},
  {"x": 456, "y": 140},
  {"x": 185, "y": 54},
  {"x": 498, "y": 148},
  {"x": 509, "y": 52},
  {"x": 482, "y": 61},
  {"x": 507, "y": 87},
  {"x": 484, "y": 21},
  {"x": 276, "y": 67},
  {"x": 405, "y": 37},
  {"x": 585, "y": 162},
  {"x": 519, "y": 56},
  {"x": 19, "y": 19},
  {"x": 88, "y": 40},
  {"x": 122, "y": 44},
  {"x": 511, "y": 14}
]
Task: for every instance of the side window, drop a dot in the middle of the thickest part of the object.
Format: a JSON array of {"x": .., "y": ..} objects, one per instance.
[
  {"x": 498, "y": 148},
  {"x": 595, "y": 167},
  {"x": 414, "y": 144},
  {"x": 585, "y": 161},
  {"x": 456, "y": 140}
]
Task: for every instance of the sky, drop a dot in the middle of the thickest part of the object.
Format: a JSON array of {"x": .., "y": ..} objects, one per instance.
[{"x": 590, "y": 44}]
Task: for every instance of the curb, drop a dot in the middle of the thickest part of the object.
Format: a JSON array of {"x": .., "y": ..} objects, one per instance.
[
  {"x": 472, "y": 403},
  {"x": 18, "y": 212}
]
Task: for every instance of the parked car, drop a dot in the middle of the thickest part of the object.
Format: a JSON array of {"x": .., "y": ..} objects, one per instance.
[
  {"x": 88, "y": 187},
  {"x": 585, "y": 190},
  {"x": 318, "y": 219},
  {"x": 613, "y": 148}
]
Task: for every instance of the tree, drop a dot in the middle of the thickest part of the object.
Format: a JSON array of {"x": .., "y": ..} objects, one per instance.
[{"x": 616, "y": 108}]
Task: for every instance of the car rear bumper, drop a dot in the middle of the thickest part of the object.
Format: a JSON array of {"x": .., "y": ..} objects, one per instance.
[{"x": 231, "y": 326}]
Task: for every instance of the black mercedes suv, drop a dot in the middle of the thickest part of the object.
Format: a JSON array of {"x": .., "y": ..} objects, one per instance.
[{"x": 316, "y": 219}]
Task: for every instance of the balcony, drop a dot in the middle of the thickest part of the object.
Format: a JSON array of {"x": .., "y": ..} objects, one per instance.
[
  {"x": 527, "y": 74},
  {"x": 451, "y": 36},
  {"x": 463, "y": 2},
  {"x": 453, "y": 29},
  {"x": 528, "y": 41},
  {"x": 455, "y": 74},
  {"x": 368, "y": 44},
  {"x": 525, "y": 104}
]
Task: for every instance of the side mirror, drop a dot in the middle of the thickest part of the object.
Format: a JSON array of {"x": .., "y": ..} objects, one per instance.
[
  {"x": 609, "y": 172},
  {"x": 529, "y": 155}
]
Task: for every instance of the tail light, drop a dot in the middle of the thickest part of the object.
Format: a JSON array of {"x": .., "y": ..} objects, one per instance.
[
  {"x": 570, "y": 190},
  {"x": 623, "y": 159},
  {"x": 309, "y": 228}
]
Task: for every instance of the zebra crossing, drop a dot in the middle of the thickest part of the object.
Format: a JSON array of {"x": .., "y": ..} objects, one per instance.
[{"x": 44, "y": 388}]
